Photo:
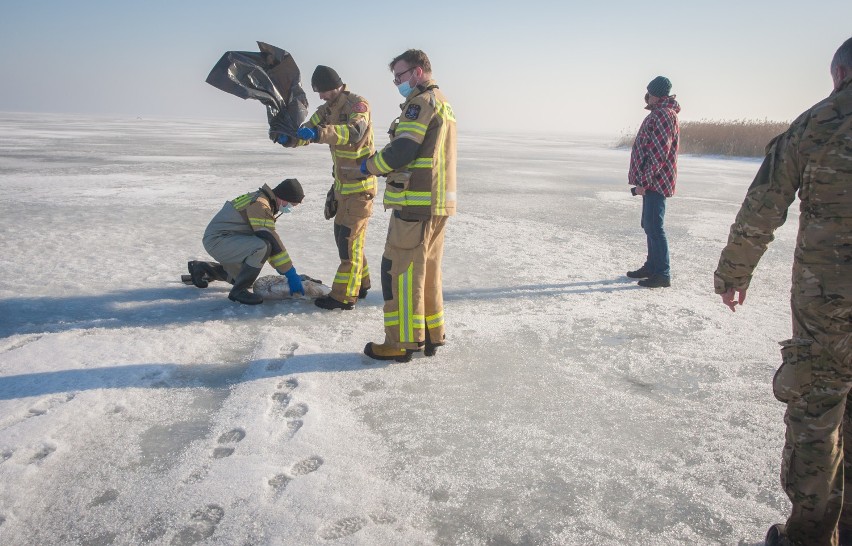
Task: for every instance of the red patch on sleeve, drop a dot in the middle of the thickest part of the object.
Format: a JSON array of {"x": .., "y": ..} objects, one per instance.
[{"x": 361, "y": 107}]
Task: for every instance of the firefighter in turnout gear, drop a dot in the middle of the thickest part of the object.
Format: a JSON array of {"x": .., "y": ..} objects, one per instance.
[
  {"x": 343, "y": 123},
  {"x": 420, "y": 166},
  {"x": 242, "y": 237},
  {"x": 812, "y": 159}
]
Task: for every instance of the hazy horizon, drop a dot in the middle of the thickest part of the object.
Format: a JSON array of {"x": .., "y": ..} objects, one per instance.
[{"x": 543, "y": 68}]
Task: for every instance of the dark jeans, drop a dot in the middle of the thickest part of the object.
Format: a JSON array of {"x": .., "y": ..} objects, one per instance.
[{"x": 653, "y": 213}]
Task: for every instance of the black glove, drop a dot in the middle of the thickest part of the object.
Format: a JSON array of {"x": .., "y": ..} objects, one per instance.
[{"x": 330, "y": 204}]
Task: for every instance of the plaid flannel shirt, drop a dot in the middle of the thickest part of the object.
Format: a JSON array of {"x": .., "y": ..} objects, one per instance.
[{"x": 653, "y": 159}]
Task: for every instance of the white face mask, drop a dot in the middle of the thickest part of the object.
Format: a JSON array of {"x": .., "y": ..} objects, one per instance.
[
  {"x": 286, "y": 209},
  {"x": 404, "y": 89}
]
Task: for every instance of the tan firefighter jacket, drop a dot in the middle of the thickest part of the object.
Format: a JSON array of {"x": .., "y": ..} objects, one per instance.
[
  {"x": 420, "y": 160},
  {"x": 345, "y": 125},
  {"x": 254, "y": 214}
]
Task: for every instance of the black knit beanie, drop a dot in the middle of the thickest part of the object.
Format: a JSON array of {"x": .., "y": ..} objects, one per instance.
[
  {"x": 660, "y": 87},
  {"x": 290, "y": 190},
  {"x": 325, "y": 79}
]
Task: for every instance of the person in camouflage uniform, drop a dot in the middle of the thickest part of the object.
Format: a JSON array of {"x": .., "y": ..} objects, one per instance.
[{"x": 814, "y": 159}]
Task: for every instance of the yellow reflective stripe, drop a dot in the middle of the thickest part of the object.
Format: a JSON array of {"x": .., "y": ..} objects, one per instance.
[
  {"x": 433, "y": 321},
  {"x": 381, "y": 164},
  {"x": 357, "y": 154},
  {"x": 405, "y": 294},
  {"x": 356, "y": 256},
  {"x": 421, "y": 163},
  {"x": 446, "y": 113},
  {"x": 342, "y": 132},
  {"x": 411, "y": 127},
  {"x": 242, "y": 201},
  {"x": 277, "y": 260},
  {"x": 315, "y": 119},
  {"x": 392, "y": 318},
  {"x": 342, "y": 278},
  {"x": 365, "y": 272},
  {"x": 359, "y": 186},
  {"x": 408, "y": 198},
  {"x": 262, "y": 223},
  {"x": 418, "y": 322}
]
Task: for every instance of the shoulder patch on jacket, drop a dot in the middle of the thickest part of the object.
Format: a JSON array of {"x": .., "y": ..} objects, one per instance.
[
  {"x": 413, "y": 111},
  {"x": 361, "y": 107}
]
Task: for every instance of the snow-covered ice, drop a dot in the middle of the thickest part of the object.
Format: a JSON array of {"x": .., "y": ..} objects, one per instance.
[{"x": 568, "y": 407}]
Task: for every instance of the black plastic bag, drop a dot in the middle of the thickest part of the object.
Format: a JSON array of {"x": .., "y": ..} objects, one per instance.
[{"x": 271, "y": 77}]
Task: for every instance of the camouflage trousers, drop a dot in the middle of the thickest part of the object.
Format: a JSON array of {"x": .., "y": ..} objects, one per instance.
[{"x": 814, "y": 381}]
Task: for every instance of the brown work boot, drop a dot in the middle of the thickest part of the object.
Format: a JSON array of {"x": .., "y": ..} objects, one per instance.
[{"x": 382, "y": 351}]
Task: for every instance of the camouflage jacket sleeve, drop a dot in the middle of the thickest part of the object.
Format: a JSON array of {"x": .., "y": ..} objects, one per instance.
[
  {"x": 762, "y": 212},
  {"x": 262, "y": 221},
  {"x": 408, "y": 136}
]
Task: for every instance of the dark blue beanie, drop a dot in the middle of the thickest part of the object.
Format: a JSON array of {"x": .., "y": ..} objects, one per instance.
[{"x": 660, "y": 87}]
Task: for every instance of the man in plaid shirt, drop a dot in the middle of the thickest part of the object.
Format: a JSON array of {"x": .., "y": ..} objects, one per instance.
[{"x": 653, "y": 173}]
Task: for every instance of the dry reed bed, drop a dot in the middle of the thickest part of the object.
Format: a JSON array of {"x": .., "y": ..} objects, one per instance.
[{"x": 742, "y": 138}]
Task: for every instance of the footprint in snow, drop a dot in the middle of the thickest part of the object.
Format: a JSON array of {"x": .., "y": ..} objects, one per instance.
[
  {"x": 45, "y": 405},
  {"x": 351, "y": 525},
  {"x": 293, "y": 426},
  {"x": 284, "y": 353},
  {"x": 23, "y": 343},
  {"x": 297, "y": 410},
  {"x": 106, "y": 497},
  {"x": 42, "y": 454},
  {"x": 342, "y": 528},
  {"x": 233, "y": 436},
  {"x": 301, "y": 468},
  {"x": 202, "y": 524},
  {"x": 283, "y": 393},
  {"x": 5, "y": 455},
  {"x": 153, "y": 530}
]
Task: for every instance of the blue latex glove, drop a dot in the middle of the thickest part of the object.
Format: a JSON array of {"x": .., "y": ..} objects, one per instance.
[
  {"x": 364, "y": 170},
  {"x": 282, "y": 139},
  {"x": 294, "y": 281},
  {"x": 306, "y": 133}
]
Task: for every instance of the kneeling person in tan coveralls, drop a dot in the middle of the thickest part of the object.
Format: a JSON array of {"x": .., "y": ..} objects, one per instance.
[
  {"x": 242, "y": 236},
  {"x": 420, "y": 165}
]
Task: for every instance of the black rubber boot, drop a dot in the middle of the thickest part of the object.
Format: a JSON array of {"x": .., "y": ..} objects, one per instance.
[
  {"x": 204, "y": 272},
  {"x": 240, "y": 292},
  {"x": 196, "y": 272},
  {"x": 431, "y": 348},
  {"x": 641, "y": 273},
  {"x": 327, "y": 302},
  {"x": 657, "y": 281}
]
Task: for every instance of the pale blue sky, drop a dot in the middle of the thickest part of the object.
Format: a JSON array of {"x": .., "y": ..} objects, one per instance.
[{"x": 506, "y": 66}]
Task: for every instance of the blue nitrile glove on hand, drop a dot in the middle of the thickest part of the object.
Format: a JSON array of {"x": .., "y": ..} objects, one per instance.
[
  {"x": 306, "y": 133},
  {"x": 364, "y": 170},
  {"x": 282, "y": 139},
  {"x": 294, "y": 281}
]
